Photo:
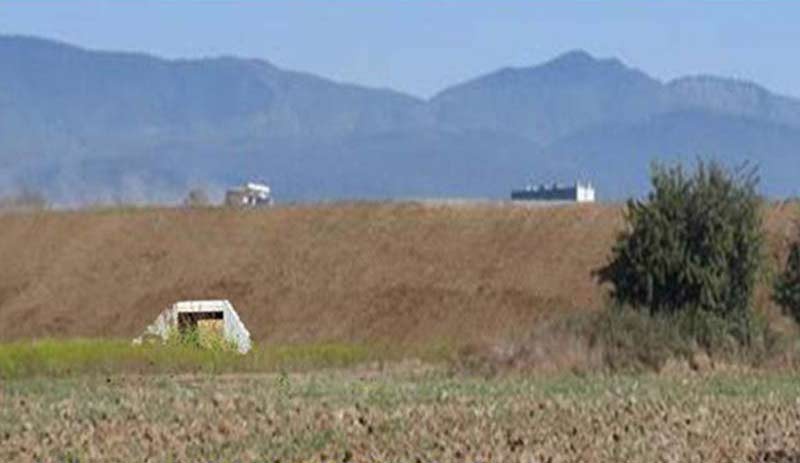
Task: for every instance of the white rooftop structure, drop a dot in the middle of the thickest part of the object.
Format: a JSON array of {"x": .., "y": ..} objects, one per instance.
[
  {"x": 578, "y": 192},
  {"x": 249, "y": 195},
  {"x": 258, "y": 188}
]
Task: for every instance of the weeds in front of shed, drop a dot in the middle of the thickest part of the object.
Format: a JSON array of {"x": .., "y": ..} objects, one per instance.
[{"x": 56, "y": 358}]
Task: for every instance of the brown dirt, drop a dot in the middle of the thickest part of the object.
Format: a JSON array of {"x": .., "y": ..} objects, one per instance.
[
  {"x": 344, "y": 272},
  {"x": 363, "y": 416}
]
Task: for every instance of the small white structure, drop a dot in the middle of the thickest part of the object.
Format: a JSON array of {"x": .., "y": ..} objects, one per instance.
[
  {"x": 584, "y": 193},
  {"x": 250, "y": 194},
  {"x": 578, "y": 192},
  {"x": 217, "y": 315}
]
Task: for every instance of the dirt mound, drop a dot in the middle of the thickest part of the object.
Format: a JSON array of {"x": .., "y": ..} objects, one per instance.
[{"x": 343, "y": 272}]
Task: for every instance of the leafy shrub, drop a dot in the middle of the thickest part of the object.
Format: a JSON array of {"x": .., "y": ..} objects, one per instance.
[
  {"x": 636, "y": 341},
  {"x": 693, "y": 245},
  {"x": 786, "y": 291},
  {"x": 633, "y": 340},
  {"x": 623, "y": 339}
]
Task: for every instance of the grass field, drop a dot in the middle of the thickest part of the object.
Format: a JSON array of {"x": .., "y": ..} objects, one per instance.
[
  {"x": 408, "y": 412},
  {"x": 54, "y": 358}
]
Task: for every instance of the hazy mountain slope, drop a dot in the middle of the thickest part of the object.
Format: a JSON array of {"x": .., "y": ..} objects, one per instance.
[
  {"x": 552, "y": 100},
  {"x": 619, "y": 156},
  {"x": 733, "y": 97},
  {"x": 576, "y": 91},
  {"x": 87, "y": 97},
  {"x": 419, "y": 164},
  {"x": 84, "y": 126}
]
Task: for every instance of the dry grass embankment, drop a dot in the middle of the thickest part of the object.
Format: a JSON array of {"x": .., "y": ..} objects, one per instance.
[{"x": 398, "y": 273}]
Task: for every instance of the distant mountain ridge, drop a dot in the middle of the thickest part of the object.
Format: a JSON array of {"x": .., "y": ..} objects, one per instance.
[
  {"x": 735, "y": 97},
  {"x": 85, "y": 126},
  {"x": 552, "y": 100},
  {"x": 575, "y": 91}
]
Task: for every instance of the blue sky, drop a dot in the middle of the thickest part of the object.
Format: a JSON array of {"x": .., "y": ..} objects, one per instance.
[{"x": 421, "y": 47}]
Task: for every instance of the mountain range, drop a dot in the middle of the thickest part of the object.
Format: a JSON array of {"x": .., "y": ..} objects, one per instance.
[{"x": 86, "y": 126}]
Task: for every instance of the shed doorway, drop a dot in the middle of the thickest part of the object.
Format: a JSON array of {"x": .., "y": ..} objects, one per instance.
[{"x": 207, "y": 327}]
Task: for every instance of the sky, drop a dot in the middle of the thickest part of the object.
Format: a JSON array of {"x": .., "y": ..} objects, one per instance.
[{"x": 421, "y": 47}]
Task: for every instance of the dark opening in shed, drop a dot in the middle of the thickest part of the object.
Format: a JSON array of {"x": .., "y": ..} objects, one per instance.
[{"x": 202, "y": 322}]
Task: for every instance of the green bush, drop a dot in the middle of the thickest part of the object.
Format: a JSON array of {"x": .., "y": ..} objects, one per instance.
[
  {"x": 635, "y": 341},
  {"x": 198, "y": 339},
  {"x": 786, "y": 291},
  {"x": 694, "y": 245}
]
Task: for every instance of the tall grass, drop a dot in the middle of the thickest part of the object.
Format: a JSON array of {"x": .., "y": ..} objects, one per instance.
[{"x": 93, "y": 356}]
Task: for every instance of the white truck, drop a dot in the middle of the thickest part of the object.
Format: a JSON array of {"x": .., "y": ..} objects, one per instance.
[{"x": 249, "y": 195}]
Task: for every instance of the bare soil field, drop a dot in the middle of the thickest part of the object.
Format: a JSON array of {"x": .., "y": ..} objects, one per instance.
[
  {"x": 397, "y": 273},
  {"x": 410, "y": 413}
]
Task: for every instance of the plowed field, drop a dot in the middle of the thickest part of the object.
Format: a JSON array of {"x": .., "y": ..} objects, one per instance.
[{"x": 370, "y": 416}]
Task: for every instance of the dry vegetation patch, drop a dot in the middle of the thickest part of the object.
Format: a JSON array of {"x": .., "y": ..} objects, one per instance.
[
  {"x": 400, "y": 273},
  {"x": 406, "y": 414}
]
